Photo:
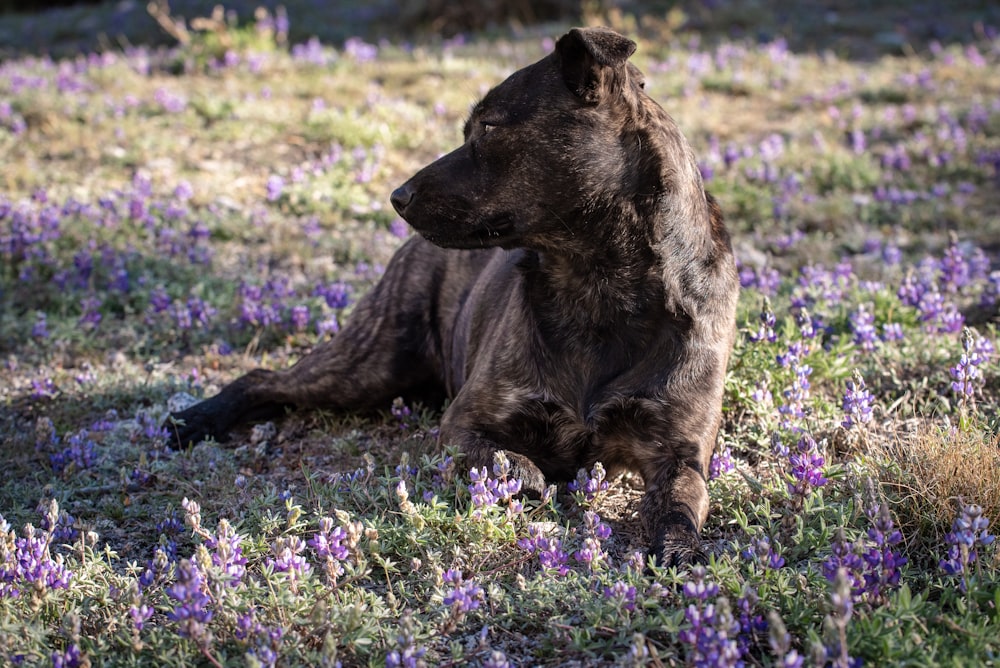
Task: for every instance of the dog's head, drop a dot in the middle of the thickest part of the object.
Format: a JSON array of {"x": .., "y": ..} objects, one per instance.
[{"x": 546, "y": 153}]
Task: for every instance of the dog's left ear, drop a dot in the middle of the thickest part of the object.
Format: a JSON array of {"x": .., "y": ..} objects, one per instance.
[{"x": 585, "y": 52}]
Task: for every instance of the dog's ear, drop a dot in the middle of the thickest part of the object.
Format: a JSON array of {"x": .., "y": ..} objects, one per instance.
[{"x": 585, "y": 52}]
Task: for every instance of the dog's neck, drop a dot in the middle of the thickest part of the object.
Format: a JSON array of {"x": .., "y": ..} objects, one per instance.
[{"x": 600, "y": 284}]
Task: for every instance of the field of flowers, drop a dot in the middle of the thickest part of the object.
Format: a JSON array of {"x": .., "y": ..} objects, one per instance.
[{"x": 172, "y": 217}]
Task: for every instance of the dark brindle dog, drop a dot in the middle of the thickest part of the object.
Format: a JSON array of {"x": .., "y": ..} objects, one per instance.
[{"x": 584, "y": 311}]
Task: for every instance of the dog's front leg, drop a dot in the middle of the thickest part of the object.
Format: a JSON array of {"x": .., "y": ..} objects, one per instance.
[{"x": 675, "y": 507}]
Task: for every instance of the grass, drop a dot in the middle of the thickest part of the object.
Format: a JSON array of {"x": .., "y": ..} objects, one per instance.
[{"x": 171, "y": 218}]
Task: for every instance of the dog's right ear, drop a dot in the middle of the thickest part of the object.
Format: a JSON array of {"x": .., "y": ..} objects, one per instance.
[{"x": 584, "y": 53}]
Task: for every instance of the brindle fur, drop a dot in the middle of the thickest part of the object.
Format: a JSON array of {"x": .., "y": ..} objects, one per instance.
[{"x": 584, "y": 309}]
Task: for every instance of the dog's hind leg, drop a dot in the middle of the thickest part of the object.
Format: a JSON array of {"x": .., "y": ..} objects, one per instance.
[{"x": 387, "y": 349}]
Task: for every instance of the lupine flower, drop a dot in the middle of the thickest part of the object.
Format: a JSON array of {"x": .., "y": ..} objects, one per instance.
[
  {"x": 762, "y": 552},
  {"x": 623, "y": 594},
  {"x": 807, "y": 468},
  {"x": 587, "y": 487},
  {"x": 968, "y": 536},
  {"x": 712, "y": 629},
  {"x": 765, "y": 332},
  {"x": 158, "y": 567},
  {"x": 722, "y": 462},
  {"x": 797, "y": 395},
  {"x": 275, "y": 186},
  {"x": 40, "y": 329},
  {"x": 863, "y": 328},
  {"x": 30, "y": 562},
  {"x": 191, "y": 603},
  {"x": 407, "y": 653},
  {"x": 465, "y": 595},
  {"x": 359, "y": 50},
  {"x": 809, "y": 326},
  {"x": 488, "y": 491},
  {"x": 78, "y": 455},
  {"x": 892, "y": 331},
  {"x": 857, "y": 404},
  {"x": 402, "y": 413},
  {"x": 287, "y": 558},
  {"x": 227, "y": 555},
  {"x": 550, "y": 550},
  {"x": 781, "y": 643},
  {"x": 842, "y": 609},
  {"x": 591, "y": 553},
  {"x": 70, "y": 658},
  {"x": 870, "y": 564},
  {"x": 976, "y": 351}
]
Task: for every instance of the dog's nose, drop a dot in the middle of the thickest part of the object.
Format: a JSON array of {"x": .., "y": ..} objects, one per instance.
[{"x": 401, "y": 198}]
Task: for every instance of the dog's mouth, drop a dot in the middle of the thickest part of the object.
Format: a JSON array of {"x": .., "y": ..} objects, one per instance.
[{"x": 495, "y": 231}]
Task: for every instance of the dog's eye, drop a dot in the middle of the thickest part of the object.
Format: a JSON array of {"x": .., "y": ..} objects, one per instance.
[{"x": 488, "y": 128}]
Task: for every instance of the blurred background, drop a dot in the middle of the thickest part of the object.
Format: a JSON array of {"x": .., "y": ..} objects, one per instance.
[{"x": 856, "y": 29}]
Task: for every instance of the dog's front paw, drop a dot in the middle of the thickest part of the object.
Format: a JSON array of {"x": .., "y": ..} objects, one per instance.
[
  {"x": 681, "y": 551},
  {"x": 678, "y": 546},
  {"x": 193, "y": 425},
  {"x": 532, "y": 480}
]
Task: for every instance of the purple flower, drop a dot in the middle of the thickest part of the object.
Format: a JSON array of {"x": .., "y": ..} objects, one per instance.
[
  {"x": 623, "y": 594},
  {"x": 287, "y": 558},
  {"x": 762, "y": 552},
  {"x": 40, "y": 329},
  {"x": 407, "y": 653},
  {"x": 765, "y": 332},
  {"x": 806, "y": 468},
  {"x": 71, "y": 658},
  {"x": 464, "y": 596},
  {"x": 190, "y": 608},
  {"x": 871, "y": 565},
  {"x": 90, "y": 316},
  {"x": 275, "y": 187},
  {"x": 227, "y": 555},
  {"x": 360, "y": 50},
  {"x": 969, "y": 534},
  {"x": 586, "y": 487},
  {"x": 857, "y": 403},
  {"x": 139, "y": 612},
  {"x": 300, "y": 317},
  {"x": 797, "y": 394},
  {"x": 711, "y": 629},
  {"x": 722, "y": 462},
  {"x": 976, "y": 351},
  {"x": 551, "y": 555},
  {"x": 863, "y": 328}
]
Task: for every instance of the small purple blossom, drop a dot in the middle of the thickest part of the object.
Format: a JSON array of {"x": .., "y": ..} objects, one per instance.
[
  {"x": 622, "y": 594},
  {"x": 501, "y": 488},
  {"x": 275, "y": 188},
  {"x": 711, "y": 629},
  {"x": 464, "y": 595},
  {"x": 287, "y": 558},
  {"x": 765, "y": 331},
  {"x": 722, "y": 463},
  {"x": 968, "y": 377},
  {"x": 969, "y": 536},
  {"x": 871, "y": 565},
  {"x": 586, "y": 488},
  {"x": 863, "y": 328},
  {"x": 763, "y": 552},
  {"x": 857, "y": 404},
  {"x": 806, "y": 468},
  {"x": 190, "y": 607}
]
